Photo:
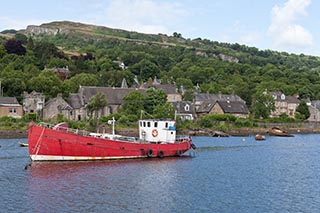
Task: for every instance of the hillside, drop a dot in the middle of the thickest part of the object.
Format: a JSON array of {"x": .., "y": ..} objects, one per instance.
[{"x": 93, "y": 53}]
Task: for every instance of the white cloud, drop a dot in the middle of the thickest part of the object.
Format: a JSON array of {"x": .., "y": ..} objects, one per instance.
[
  {"x": 148, "y": 16},
  {"x": 286, "y": 33}
]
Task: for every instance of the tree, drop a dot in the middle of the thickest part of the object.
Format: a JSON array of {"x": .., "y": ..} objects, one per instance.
[
  {"x": 15, "y": 46},
  {"x": 133, "y": 103},
  {"x": 154, "y": 98},
  {"x": 303, "y": 109},
  {"x": 47, "y": 82},
  {"x": 263, "y": 105},
  {"x": 145, "y": 69},
  {"x": 83, "y": 79},
  {"x": 166, "y": 110},
  {"x": 96, "y": 102}
]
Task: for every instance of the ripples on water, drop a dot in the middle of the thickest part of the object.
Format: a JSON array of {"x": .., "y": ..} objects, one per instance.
[{"x": 232, "y": 174}]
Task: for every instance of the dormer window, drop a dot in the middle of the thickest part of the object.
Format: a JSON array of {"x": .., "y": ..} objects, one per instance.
[{"x": 186, "y": 107}]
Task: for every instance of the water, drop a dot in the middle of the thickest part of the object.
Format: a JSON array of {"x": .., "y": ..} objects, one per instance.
[{"x": 235, "y": 174}]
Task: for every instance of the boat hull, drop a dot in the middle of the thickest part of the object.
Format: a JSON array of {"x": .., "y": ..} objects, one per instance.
[{"x": 46, "y": 144}]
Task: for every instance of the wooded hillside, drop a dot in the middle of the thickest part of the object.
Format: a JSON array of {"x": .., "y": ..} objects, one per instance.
[{"x": 93, "y": 54}]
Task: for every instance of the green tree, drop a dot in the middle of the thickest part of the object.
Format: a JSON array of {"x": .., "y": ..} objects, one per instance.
[
  {"x": 263, "y": 105},
  {"x": 47, "y": 82},
  {"x": 303, "y": 109},
  {"x": 154, "y": 98},
  {"x": 82, "y": 79},
  {"x": 133, "y": 103},
  {"x": 145, "y": 69},
  {"x": 96, "y": 102},
  {"x": 166, "y": 110}
]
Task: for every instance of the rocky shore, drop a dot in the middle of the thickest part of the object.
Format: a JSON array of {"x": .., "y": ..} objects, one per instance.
[
  {"x": 13, "y": 134},
  {"x": 193, "y": 132}
]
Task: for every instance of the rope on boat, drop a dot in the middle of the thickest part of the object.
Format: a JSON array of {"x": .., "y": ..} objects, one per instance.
[{"x": 38, "y": 142}]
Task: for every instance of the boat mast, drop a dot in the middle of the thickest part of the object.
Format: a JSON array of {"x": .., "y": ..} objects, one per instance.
[{"x": 112, "y": 122}]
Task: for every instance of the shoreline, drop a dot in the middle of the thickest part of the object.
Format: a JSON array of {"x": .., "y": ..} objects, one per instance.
[{"x": 10, "y": 134}]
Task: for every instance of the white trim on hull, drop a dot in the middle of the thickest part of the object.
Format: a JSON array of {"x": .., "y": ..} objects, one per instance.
[{"x": 75, "y": 158}]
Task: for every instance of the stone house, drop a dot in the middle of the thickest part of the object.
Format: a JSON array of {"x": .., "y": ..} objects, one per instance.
[
  {"x": 284, "y": 104},
  {"x": 185, "y": 110},
  {"x": 56, "y": 106},
  {"x": 314, "y": 109},
  {"x": 114, "y": 96},
  {"x": 236, "y": 108},
  {"x": 9, "y": 106},
  {"x": 206, "y": 103},
  {"x": 62, "y": 73},
  {"x": 33, "y": 103}
]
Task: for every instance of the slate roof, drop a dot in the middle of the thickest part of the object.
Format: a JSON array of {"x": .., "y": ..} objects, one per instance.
[
  {"x": 217, "y": 97},
  {"x": 8, "y": 101},
  {"x": 113, "y": 95},
  {"x": 64, "y": 106},
  {"x": 205, "y": 106},
  {"x": 233, "y": 107},
  {"x": 167, "y": 88},
  {"x": 181, "y": 107},
  {"x": 74, "y": 100},
  {"x": 287, "y": 98}
]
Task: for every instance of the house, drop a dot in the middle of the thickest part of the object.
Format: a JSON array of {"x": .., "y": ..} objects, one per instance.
[
  {"x": 79, "y": 111},
  {"x": 236, "y": 108},
  {"x": 62, "y": 73},
  {"x": 9, "y": 106},
  {"x": 57, "y": 106},
  {"x": 33, "y": 103},
  {"x": 314, "y": 109},
  {"x": 170, "y": 89},
  {"x": 114, "y": 96},
  {"x": 284, "y": 104},
  {"x": 185, "y": 110},
  {"x": 206, "y": 103},
  {"x": 78, "y": 101}
]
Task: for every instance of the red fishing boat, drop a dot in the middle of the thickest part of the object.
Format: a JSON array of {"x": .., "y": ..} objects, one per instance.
[{"x": 157, "y": 138}]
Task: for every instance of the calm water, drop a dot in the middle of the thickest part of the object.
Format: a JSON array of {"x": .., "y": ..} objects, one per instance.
[{"x": 235, "y": 174}]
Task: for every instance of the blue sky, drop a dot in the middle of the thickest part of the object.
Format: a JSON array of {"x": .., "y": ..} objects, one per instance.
[{"x": 284, "y": 25}]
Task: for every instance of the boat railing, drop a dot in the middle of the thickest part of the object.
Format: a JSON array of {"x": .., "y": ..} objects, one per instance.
[
  {"x": 64, "y": 129},
  {"x": 182, "y": 138}
]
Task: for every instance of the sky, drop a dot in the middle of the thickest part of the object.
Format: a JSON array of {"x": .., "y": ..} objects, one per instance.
[{"x": 291, "y": 26}]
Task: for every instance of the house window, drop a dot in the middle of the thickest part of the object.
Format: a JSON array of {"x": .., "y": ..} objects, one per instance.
[
  {"x": 13, "y": 110},
  {"x": 187, "y": 108}
]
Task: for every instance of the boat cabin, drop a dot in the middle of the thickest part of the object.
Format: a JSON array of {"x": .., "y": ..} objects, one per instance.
[{"x": 157, "y": 131}]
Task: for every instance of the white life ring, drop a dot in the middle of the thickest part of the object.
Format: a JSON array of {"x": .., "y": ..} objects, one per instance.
[{"x": 154, "y": 133}]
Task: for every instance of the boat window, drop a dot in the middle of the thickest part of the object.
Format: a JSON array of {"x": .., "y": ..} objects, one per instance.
[
  {"x": 144, "y": 124},
  {"x": 166, "y": 125},
  {"x": 149, "y": 124},
  {"x": 155, "y": 124},
  {"x": 140, "y": 123}
]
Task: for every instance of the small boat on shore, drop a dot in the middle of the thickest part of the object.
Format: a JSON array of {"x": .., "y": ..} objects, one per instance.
[
  {"x": 219, "y": 134},
  {"x": 23, "y": 144},
  {"x": 157, "y": 138},
  {"x": 276, "y": 131},
  {"x": 259, "y": 137}
]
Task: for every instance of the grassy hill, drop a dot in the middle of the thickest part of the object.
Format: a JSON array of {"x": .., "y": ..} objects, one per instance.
[{"x": 212, "y": 66}]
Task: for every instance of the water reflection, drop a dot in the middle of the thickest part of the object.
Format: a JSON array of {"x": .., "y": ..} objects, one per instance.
[{"x": 227, "y": 175}]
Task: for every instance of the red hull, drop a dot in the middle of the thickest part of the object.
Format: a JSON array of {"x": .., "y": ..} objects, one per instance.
[{"x": 50, "y": 144}]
